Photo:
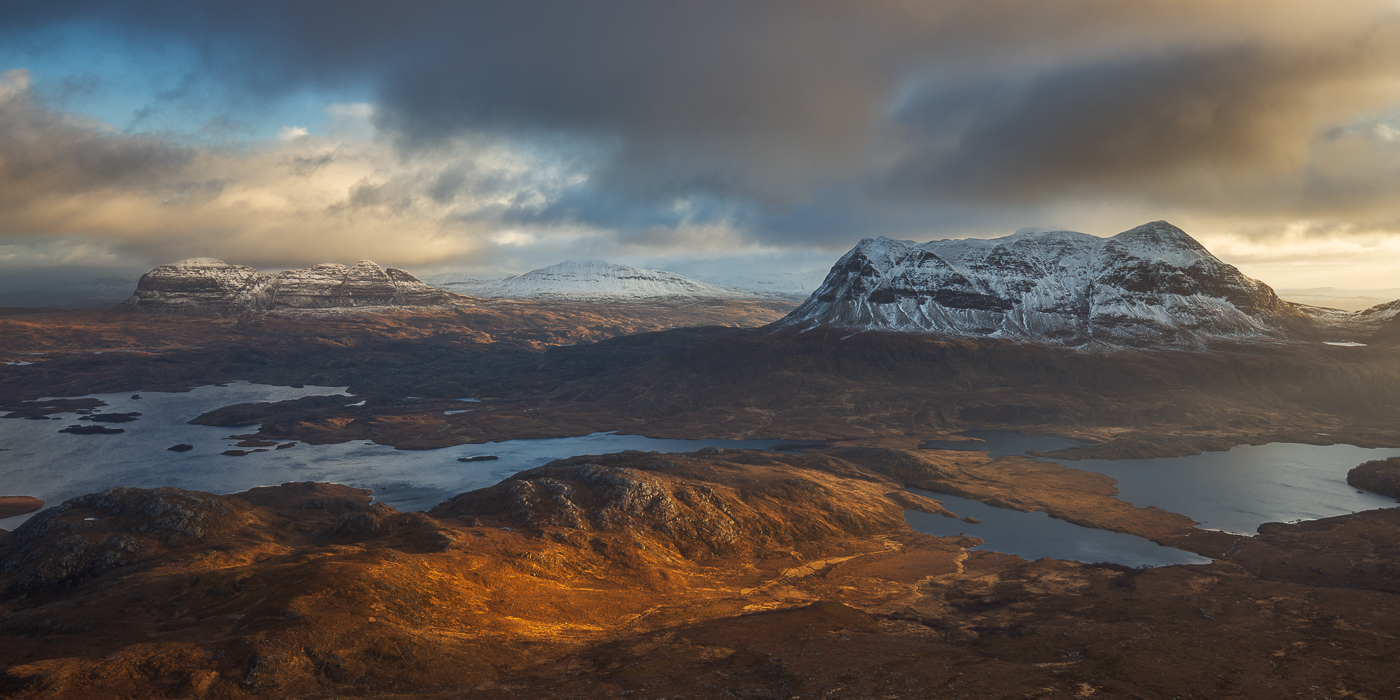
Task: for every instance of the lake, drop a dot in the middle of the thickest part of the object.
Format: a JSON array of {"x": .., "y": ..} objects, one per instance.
[
  {"x": 41, "y": 462},
  {"x": 1036, "y": 535},
  {"x": 1234, "y": 491}
]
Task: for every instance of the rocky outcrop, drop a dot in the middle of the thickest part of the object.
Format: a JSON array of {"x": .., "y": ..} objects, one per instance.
[
  {"x": 1150, "y": 286},
  {"x": 209, "y": 286},
  {"x": 92, "y": 430},
  {"x": 309, "y": 495},
  {"x": 87, "y": 536},
  {"x": 1381, "y": 476},
  {"x": 690, "y": 503}
]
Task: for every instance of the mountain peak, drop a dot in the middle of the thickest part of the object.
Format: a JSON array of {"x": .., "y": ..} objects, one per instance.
[
  {"x": 1162, "y": 239},
  {"x": 1150, "y": 285}
]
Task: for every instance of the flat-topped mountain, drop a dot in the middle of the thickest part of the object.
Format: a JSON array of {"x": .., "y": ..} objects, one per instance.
[
  {"x": 1152, "y": 285},
  {"x": 207, "y": 285},
  {"x": 594, "y": 280},
  {"x": 793, "y": 285}
]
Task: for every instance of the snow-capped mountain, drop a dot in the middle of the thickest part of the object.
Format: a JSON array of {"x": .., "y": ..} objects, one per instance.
[
  {"x": 788, "y": 284},
  {"x": 207, "y": 285},
  {"x": 593, "y": 280},
  {"x": 1150, "y": 286}
]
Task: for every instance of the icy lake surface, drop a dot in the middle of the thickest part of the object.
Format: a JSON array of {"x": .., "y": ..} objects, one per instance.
[
  {"x": 41, "y": 462},
  {"x": 1036, "y": 535},
  {"x": 1235, "y": 491}
]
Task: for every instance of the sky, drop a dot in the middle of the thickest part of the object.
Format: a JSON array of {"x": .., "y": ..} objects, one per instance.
[{"x": 709, "y": 138}]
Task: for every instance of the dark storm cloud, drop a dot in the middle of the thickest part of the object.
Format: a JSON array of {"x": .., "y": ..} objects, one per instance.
[
  {"x": 1140, "y": 125},
  {"x": 759, "y": 111}
]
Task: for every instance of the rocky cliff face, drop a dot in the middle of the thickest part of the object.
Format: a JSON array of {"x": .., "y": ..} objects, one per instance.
[
  {"x": 1153, "y": 285},
  {"x": 206, "y": 285}
]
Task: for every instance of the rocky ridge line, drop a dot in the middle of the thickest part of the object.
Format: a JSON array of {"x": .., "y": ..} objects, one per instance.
[{"x": 211, "y": 286}]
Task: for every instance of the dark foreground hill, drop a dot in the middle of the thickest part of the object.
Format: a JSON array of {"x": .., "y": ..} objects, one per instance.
[{"x": 708, "y": 575}]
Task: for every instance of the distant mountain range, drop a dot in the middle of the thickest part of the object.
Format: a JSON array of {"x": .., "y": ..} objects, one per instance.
[
  {"x": 207, "y": 285},
  {"x": 1153, "y": 285},
  {"x": 597, "y": 281},
  {"x": 1344, "y": 299}
]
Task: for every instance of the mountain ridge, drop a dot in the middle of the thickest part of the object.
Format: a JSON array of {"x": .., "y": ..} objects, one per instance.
[
  {"x": 210, "y": 285},
  {"x": 1153, "y": 285}
]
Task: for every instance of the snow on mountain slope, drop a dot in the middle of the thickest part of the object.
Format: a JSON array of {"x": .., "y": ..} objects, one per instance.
[
  {"x": 1150, "y": 286},
  {"x": 207, "y": 285},
  {"x": 781, "y": 283},
  {"x": 1381, "y": 312},
  {"x": 593, "y": 280},
  {"x": 457, "y": 282}
]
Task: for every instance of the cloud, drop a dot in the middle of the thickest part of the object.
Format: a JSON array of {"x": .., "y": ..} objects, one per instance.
[
  {"x": 761, "y": 101},
  {"x": 287, "y": 133},
  {"x": 629, "y": 125},
  {"x": 1194, "y": 128},
  {"x": 283, "y": 202}
]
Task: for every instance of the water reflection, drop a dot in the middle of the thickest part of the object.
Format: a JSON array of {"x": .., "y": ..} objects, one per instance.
[
  {"x": 43, "y": 463},
  {"x": 1036, "y": 535},
  {"x": 1235, "y": 491}
]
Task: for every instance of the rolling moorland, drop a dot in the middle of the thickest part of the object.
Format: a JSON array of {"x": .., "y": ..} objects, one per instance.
[{"x": 719, "y": 573}]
